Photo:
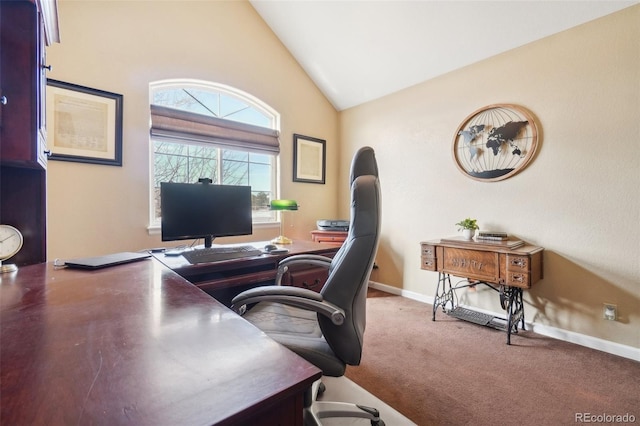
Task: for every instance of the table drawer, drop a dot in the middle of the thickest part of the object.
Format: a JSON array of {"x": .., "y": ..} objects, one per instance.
[
  {"x": 329, "y": 239},
  {"x": 518, "y": 263},
  {"x": 474, "y": 264},
  {"x": 518, "y": 279},
  {"x": 329, "y": 236},
  {"x": 428, "y": 250},
  {"x": 428, "y": 257},
  {"x": 429, "y": 264}
]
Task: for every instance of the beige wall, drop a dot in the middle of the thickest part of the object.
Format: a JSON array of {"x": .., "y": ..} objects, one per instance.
[
  {"x": 579, "y": 198},
  {"x": 121, "y": 46}
]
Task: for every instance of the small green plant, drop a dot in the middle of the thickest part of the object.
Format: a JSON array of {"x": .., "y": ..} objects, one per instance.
[{"x": 468, "y": 223}]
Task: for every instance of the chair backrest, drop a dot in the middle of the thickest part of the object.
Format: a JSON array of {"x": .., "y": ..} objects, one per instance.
[
  {"x": 351, "y": 267},
  {"x": 363, "y": 163}
]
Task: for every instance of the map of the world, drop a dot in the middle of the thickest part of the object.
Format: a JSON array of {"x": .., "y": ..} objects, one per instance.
[{"x": 495, "y": 142}]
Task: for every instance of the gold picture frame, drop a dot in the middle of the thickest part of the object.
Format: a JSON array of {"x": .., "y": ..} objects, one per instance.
[
  {"x": 495, "y": 142},
  {"x": 83, "y": 124}
]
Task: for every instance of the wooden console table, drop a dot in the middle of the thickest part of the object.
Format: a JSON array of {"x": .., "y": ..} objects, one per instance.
[{"x": 507, "y": 267}]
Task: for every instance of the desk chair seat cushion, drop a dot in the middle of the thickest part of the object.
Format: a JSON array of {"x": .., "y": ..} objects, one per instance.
[{"x": 298, "y": 330}]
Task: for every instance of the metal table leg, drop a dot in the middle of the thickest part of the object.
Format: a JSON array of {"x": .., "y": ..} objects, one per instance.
[
  {"x": 510, "y": 300},
  {"x": 444, "y": 294},
  {"x": 515, "y": 309}
]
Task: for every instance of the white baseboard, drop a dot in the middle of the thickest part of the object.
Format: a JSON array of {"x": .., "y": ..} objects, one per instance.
[
  {"x": 585, "y": 340},
  {"x": 544, "y": 330},
  {"x": 400, "y": 292}
]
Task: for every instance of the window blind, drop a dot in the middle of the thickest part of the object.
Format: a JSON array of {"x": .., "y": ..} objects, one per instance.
[{"x": 177, "y": 124}]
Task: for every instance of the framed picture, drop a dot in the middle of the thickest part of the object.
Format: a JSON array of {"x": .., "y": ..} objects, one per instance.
[
  {"x": 309, "y": 156},
  {"x": 83, "y": 124}
]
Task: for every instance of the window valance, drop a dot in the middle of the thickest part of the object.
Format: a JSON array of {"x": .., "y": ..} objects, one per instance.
[{"x": 178, "y": 124}]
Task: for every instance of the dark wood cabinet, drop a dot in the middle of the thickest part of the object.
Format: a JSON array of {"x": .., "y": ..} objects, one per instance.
[
  {"x": 312, "y": 278},
  {"x": 224, "y": 280},
  {"x": 309, "y": 276},
  {"x": 23, "y": 143},
  {"x": 23, "y": 132}
]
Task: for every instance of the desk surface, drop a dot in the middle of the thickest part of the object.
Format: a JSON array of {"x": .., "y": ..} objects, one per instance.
[
  {"x": 184, "y": 268},
  {"x": 134, "y": 344}
]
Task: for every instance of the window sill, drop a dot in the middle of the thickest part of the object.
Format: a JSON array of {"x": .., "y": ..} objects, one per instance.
[{"x": 156, "y": 229}]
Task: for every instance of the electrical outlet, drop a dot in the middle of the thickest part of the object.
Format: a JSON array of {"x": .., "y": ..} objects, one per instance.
[{"x": 610, "y": 312}]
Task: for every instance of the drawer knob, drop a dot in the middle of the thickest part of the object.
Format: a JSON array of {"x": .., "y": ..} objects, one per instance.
[
  {"x": 517, "y": 277},
  {"x": 3, "y": 100},
  {"x": 520, "y": 262}
]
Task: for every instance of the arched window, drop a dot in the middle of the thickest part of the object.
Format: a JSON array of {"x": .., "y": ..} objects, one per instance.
[{"x": 202, "y": 129}]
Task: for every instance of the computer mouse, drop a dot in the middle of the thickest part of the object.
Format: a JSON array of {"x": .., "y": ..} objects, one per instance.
[{"x": 270, "y": 247}]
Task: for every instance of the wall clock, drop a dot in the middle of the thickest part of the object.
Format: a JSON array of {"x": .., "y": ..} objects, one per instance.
[
  {"x": 495, "y": 142},
  {"x": 10, "y": 243}
]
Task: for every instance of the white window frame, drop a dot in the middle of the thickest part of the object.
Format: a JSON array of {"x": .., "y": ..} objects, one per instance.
[{"x": 252, "y": 101}]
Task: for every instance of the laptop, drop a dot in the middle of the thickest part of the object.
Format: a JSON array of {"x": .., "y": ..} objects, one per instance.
[{"x": 106, "y": 260}]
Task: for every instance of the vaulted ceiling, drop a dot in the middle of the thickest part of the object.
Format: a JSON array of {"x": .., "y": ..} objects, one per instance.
[{"x": 357, "y": 51}]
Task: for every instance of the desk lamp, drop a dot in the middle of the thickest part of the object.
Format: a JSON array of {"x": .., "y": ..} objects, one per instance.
[{"x": 283, "y": 205}]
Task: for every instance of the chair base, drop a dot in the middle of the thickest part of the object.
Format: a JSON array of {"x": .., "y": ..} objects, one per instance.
[{"x": 318, "y": 410}]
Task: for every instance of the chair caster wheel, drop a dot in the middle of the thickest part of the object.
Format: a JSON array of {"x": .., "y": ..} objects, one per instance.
[
  {"x": 377, "y": 423},
  {"x": 321, "y": 388}
]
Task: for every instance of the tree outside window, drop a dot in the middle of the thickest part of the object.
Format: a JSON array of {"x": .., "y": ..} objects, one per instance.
[{"x": 183, "y": 160}]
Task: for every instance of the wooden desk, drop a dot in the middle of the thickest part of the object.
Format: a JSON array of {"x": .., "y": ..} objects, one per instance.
[
  {"x": 505, "y": 266},
  {"x": 223, "y": 280},
  {"x": 139, "y": 345}
]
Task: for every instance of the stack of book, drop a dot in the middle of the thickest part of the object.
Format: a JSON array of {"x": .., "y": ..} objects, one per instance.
[{"x": 492, "y": 236}]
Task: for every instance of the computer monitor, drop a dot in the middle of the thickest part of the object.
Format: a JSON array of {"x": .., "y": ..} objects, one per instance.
[{"x": 204, "y": 210}]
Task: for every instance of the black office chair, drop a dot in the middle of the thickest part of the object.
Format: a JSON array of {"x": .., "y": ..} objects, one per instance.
[{"x": 327, "y": 328}]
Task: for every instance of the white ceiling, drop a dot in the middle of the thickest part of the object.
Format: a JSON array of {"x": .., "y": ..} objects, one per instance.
[{"x": 357, "y": 51}]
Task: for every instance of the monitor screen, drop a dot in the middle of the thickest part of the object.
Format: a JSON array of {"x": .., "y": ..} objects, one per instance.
[{"x": 202, "y": 210}]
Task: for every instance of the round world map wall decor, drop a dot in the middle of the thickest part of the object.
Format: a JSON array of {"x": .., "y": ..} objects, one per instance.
[{"x": 495, "y": 142}]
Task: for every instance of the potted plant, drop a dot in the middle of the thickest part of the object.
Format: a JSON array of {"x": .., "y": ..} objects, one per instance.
[{"x": 468, "y": 227}]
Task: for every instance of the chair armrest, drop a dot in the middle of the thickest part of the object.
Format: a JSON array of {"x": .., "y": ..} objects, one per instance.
[
  {"x": 292, "y": 296},
  {"x": 313, "y": 259}
]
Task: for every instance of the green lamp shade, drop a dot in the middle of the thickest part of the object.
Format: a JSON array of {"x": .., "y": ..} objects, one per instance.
[{"x": 284, "y": 205}]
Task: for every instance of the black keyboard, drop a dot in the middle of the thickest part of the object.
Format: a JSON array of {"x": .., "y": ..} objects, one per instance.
[{"x": 216, "y": 254}]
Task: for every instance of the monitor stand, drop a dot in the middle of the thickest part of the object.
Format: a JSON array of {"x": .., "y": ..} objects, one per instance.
[{"x": 208, "y": 240}]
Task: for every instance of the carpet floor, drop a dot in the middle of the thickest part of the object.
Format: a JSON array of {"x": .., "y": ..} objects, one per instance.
[{"x": 451, "y": 372}]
